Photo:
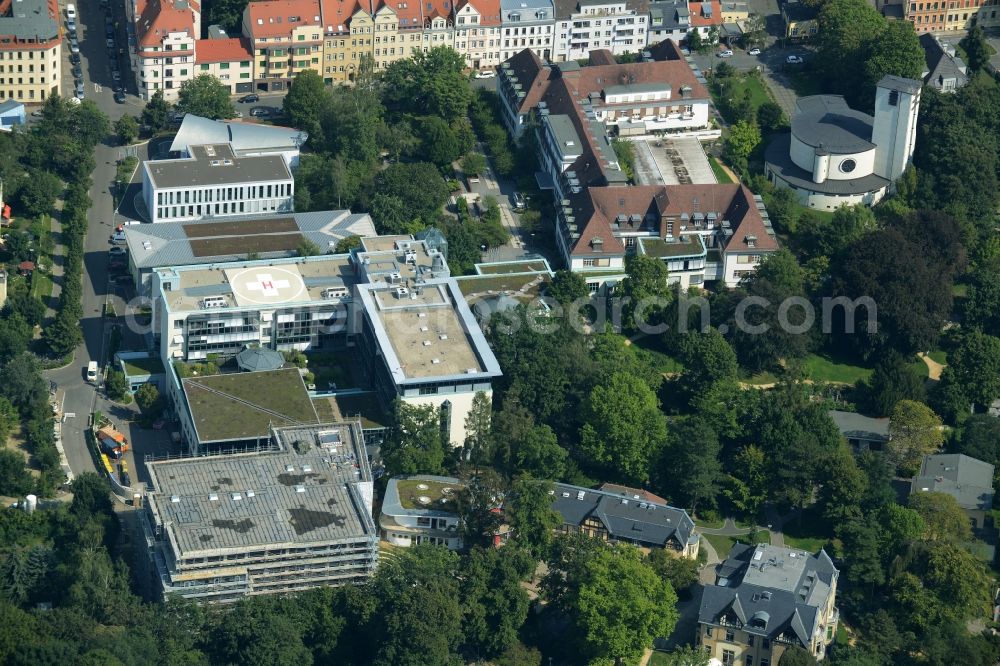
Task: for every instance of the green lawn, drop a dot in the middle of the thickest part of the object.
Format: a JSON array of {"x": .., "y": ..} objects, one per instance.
[
  {"x": 920, "y": 368},
  {"x": 808, "y": 544},
  {"x": 734, "y": 88},
  {"x": 939, "y": 356},
  {"x": 721, "y": 544},
  {"x": 41, "y": 286},
  {"x": 720, "y": 173},
  {"x": 143, "y": 366},
  {"x": 959, "y": 290},
  {"x": 513, "y": 267},
  {"x": 825, "y": 369},
  {"x": 760, "y": 379},
  {"x": 476, "y": 285},
  {"x": 652, "y": 348}
]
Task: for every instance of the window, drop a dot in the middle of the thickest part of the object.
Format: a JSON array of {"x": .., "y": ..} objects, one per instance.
[
  {"x": 748, "y": 660},
  {"x": 750, "y": 640},
  {"x": 708, "y": 632},
  {"x": 848, "y": 165},
  {"x": 730, "y": 635},
  {"x": 766, "y": 645},
  {"x": 893, "y": 98},
  {"x": 728, "y": 658}
]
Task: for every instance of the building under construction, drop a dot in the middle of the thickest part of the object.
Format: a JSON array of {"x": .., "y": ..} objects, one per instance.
[{"x": 222, "y": 527}]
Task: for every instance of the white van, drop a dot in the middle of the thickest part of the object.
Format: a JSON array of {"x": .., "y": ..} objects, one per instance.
[
  {"x": 92, "y": 372},
  {"x": 71, "y": 11}
]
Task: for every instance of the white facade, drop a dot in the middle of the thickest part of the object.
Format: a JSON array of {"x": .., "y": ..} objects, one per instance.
[
  {"x": 478, "y": 43},
  {"x": 895, "y": 128},
  {"x": 527, "y": 25},
  {"x": 165, "y": 66},
  {"x": 404, "y": 523},
  {"x": 604, "y": 25}
]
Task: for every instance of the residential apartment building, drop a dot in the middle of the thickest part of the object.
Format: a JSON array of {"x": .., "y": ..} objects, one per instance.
[
  {"x": 527, "y": 24},
  {"x": 946, "y": 15},
  {"x": 421, "y": 509},
  {"x": 438, "y": 20},
  {"x": 765, "y": 599},
  {"x": 30, "y": 50},
  {"x": 387, "y": 44},
  {"x": 706, "y": 18},
  {"x": 229, "y": 59},
  {"x": 582, "y": 26},
  {"x": 624, "y": 516},
  {"x": 283, "y": 521},
  {"x": 944, "y": 69},
  {"x": 164, "y": 56},
  {"x": 286, "y": 37},
  {"x": 478, "y": 33},
  {"x": 669, "y": 19},
  {"x": 214, "y": 182},
  {"x": 337, "y": 15}
]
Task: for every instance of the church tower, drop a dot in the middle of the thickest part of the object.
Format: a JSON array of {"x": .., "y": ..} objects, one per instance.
[{"x": 897, "y": 102}]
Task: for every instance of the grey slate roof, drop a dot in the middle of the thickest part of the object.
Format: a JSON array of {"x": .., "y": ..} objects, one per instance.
[
  {"x": 216, "y": 164},
  {"x": 244, "y": 137},
  {"x": 771, "y": 591},
  {"x": 856, "y": 426},
  {"x": 827, "y": 121},
  {"x": 259, "y": 359},
  {"x": 167, "y": 244},
  {"x": 11, "y": 105},
  {"x": 911, "y": 86},
  {"x": 969, "y": 480},
  {"x": 941, "y": 65},
  {"x": 625, "y": 517},
  {"x": 778, "y": 160},
  {"x": 30, "y": 20},
  {"x": 669, "y": 15}
]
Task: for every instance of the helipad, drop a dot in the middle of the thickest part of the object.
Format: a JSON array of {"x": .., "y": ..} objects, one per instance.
[{"x": 266, "y": 285}]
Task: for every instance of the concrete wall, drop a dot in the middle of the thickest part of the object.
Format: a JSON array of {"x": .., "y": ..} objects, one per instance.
[{"x": 461, "y": 405}]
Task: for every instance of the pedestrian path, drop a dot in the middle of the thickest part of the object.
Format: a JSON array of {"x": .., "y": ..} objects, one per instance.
[{"x": 56, "y": 269}]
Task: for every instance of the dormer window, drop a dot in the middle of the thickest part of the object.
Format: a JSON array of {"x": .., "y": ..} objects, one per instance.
[
  {"x": 751, "y": 241},
  {"x": 597, "y": 244}
]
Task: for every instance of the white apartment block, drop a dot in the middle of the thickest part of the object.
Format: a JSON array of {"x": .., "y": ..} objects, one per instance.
[
  {"x": 477, "y": 33},
  {"x": 527, "y": 24},
  {"x": 213, "y": 182},
  {"x": 616, "y": 25}
]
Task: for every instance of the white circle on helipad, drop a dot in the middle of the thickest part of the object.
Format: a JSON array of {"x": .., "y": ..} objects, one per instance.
[{"x": 266, "y": 285}]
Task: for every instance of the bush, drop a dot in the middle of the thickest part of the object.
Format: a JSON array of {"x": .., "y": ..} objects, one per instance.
[
  {"x": 117, "y": 387},
  {"x": 147, "y": 397}
]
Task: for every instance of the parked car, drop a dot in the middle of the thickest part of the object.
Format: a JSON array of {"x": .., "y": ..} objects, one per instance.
[
  {"x": 74, "y": 46},
  {"x": 794, "y": 60},
  {"x": 71, "y": 11},
  {"x": 117, "y": 250},
  {"x": 518, "y": 200},
  {"x": 486, "y": 74},
  {"x": 754, "y": 51},
  {"x": 37, "y": 114},
  {"x": 118, "y": 237},
  {"x": 260, "y": 112},
  {"x": 116, "y": 75},
  {"x": 71, "y": 26},
  {"x": 120, "y": 96},
  {"x": 725, "y": 54},
  {"x": 74, "y": 58},
  {"x": 249, "y": 99},
  {"x": 110, "y": 43},
  {"x": 77, "y": 72}
]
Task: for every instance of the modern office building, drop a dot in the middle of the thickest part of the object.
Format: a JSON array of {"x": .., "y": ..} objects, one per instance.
[
  {"x": 244, "y": 139},
  {"x": 152, "y": 246},
  {"x": 765, "y": 599},
  {"x": 163, "y": 56},
  {"x": 216, "y": 183},
  {"x": 219, "y": 528},
  {"x": 393, "y": 300},
  {"x": 30, "y": 50}
]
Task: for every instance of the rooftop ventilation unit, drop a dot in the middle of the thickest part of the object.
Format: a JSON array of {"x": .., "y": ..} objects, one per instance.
[
  {"x": 251, "y": 493},
  {"x": 401, "y": 291},
  {"x": 213, "y": 497},
  {"x": 435, "y": 361},
  {"x": 175, "y": 499},
  {"x": 237, "y": 497},
  {"x": 300, "y": 489},
  {"x": 471, "y": 371},
  {"x": 443, "y": 336}
]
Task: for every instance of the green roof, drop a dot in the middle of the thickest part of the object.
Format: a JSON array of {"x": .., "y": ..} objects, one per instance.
[
  {"x": 245, "y": 405},
  {"x": 137, "y": 367},
  {"x": 686, "y": 246}
]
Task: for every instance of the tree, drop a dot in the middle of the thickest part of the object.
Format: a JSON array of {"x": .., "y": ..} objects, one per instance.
[
  {"x": 477, "y": 428},
  {"x": 308, "y": 248},
  {"x": 8, "y": 419},
  {"x": 38, "y": 193},
  {"x": 414, "y": 444},
  {"x": 521, "y": 446},
  {"x": 643, "y": 295},
  {"x": 304, "y": 104},
  {"x": 977, "y": 49},
  {"x": 529, "y": 513},
  {"x": 793, "y": 655},
  {"x": 88, "y": 124},
  {"x": 914, "y": 432},
  {"x": 694, "y": 40},
  {"x": 21, "y": 383},
  {"x": 117, "y": 387},
  {"x": 689, "y": 469},
  {"x": 568, "y": 287},
  {"x": 748, "y": 484},
  {"x": 896, "y": 52},
  {"x": 617, "y": 601},
  {"x": 246, "y": 635},
  {"x": 864, "y": 568},
  {"x": 944, "y": 519},
  {"x": 755, "y": 31},
  {"x": 127, "y": 129},
  {"x": 156, "y": 113},
  {"x": 623, "y": 427},
  {"x": 974, "y": 368},
  {"x": 846, "y": 30},
  {"x": 743, "y": 139},
  {"x": 479, "y": 510},
  {"x": 899, "y": 526},
  {"x": 348, "y": 243},
  {"x": 681, "y": 572},
  {"x": 15, "y": 333},
  {"x": 981, "y": 307},
  {"x": 685, "y": 655},
  {"x": 473, "y": 164},
  {"x": 431, "y": 82},
  {"x": 418, "y": 184},
  {"x": 980, "y": 438},
  {"x": 439, "y": 144},
  {"x": 892, "y": 380},
  {"x": 707, "y": 359},
  {"x": 770, "y": 117},
  {"x": 205, "y": 96},
  {"x": 147, "y": 397},
  {"x": 14, "y": 477},
  {"x": 494, "y": 603}
]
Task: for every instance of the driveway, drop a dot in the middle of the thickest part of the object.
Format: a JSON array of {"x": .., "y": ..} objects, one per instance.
[{"x": 770, "y": 63}]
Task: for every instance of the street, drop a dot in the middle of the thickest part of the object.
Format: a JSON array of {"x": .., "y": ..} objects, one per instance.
[{"x": 80, "y": 398}]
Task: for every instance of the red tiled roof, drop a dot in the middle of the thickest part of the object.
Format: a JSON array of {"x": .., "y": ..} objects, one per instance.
[
  {"x": 336, "y": 14},
  {"x": 231, "y": 49},
  {"x": 676, "y": 73},
  {"x": 698, "y": 21},
  {"x": 432, "y": 9},
  {"x": 159, "y": 18},
  {"x": 632, "y": 492},
  {"x": 270, "y": 18},
  {"x": 600, "y": 57},
  {"x": 489, "y": 11}
]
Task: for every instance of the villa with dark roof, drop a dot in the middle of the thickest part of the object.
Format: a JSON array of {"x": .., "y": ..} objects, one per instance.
[
  {"x": 624, "y": 515},
  {"x": 837, "y": 156},
  {"x": 765, "y": 599},
  {"x": 967, "y": 479}
]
